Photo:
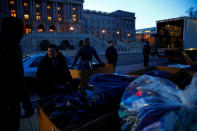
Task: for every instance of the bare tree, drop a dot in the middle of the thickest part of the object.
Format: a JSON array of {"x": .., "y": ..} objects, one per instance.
[{"x": 191, "y": 12}]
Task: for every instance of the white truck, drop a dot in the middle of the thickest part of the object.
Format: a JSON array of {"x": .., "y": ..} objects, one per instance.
[{"x": 177, "y": 37}]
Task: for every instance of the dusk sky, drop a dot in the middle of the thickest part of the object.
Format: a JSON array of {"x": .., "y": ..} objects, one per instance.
[{"x": 147, "y": 12}]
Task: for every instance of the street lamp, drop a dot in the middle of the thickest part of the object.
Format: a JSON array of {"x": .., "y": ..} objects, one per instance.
[
  {"x": 71, "y": 28},
  {"x": 103, "y": 32},
  {"x": 118, "y": 32}
]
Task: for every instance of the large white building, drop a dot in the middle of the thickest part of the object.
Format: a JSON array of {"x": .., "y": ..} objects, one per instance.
[{"x": 65, "y": 22}]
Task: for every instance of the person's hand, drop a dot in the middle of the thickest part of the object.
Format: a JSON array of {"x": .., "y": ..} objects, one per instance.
[
  {"x": 29, "y": 110},
  {"x": 28, "y": 113},
  {"x": 72, "y": 67},
  {"x": 102, "y": 64}
]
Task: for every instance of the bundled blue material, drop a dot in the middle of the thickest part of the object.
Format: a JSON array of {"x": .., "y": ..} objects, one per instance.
[
  {"x": 158, "y": 73},
  {"x": 101, "y": 96},
  {"x": 150, "y": 103},
  {"x": 107, "y": 89}
]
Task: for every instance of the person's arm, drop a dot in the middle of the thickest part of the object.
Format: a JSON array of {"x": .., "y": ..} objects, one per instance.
[
  {"x": 24, "y": 95},
  {"x": 67, "y": 73},
  {"x": 96, "y": 56},
  {"x": 107, "y": 55},
  {"x": 76, "y": 58},
  {"x": 116, "y": 54}
]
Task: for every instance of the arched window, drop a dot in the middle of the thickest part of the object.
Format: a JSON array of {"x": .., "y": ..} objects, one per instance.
[
  {"x": 40, "y": 28},
  {"x": 52, "y": 28},
  {"x": 28, "y": 29}
]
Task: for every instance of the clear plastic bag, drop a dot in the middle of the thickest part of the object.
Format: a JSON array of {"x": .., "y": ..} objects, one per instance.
[{"x": 151, "y": 103}]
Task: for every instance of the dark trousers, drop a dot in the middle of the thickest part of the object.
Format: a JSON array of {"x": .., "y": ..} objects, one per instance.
[
  {"x": 11, "y": 117},
  {"x": 146, "y": 60}
]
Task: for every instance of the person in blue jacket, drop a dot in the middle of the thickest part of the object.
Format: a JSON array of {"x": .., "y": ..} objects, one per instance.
[{"x": 86, "y": 52}]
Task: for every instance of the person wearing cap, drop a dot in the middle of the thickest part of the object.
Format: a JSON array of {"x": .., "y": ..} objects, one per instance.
[
  {"x": 86, "y": 52},
  {"x": 111, "y": 55}
]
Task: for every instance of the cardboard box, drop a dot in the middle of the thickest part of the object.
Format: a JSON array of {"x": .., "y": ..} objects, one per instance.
[
  {"x": 108, "y": 121},
  {"x": 85, "y": 75}
]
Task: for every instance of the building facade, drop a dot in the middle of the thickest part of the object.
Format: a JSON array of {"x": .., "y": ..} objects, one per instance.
[
  {"x": 118, "y": 25},
  {"x": 69, "y": 17}
]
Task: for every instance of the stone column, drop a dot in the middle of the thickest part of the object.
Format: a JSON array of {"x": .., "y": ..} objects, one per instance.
[
  {"x": 18, "y": 8},
  {"x": 21, "y": 9},
  {"x": 33, "y": 9},
  {"x": 66, "y": 12},
  {"x": 55, "y": 11},
  {"x": 71, "y": 11},
  {"x": 43, "y": 10}
]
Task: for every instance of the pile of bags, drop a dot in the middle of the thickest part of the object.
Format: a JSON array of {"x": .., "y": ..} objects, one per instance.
[
  {"x": 151, "y": 103},
  {"x": 102, "y": 95}
]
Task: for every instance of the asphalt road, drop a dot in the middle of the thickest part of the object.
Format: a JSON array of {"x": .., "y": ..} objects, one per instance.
[{"x": 128, "y": 59}]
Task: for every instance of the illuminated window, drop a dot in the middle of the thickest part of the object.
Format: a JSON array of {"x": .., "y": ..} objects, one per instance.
[
  {"x": 11, "y": 2},
  {"x": 27, "y": 30},
  {"x": 49, "y": 18},
  {"x": 58, "y": 8},
  {"x": 128, "y": 35},
  {"x": 74, "y": 8},
  {"x": 59, "y": 17},
  {"x": 37, "y": 16},
  {"x": 13, "y": 13},
  {"x": 40, "y": 30},
  {"x": 48, "y": 7},
  {"x": 25, "y": 4},
  {"x": 26, "y": 16},
  {"x": 74, "y": 17},
  {"x": 51, "y": 30},
  {"x": 37, "y": 6}
]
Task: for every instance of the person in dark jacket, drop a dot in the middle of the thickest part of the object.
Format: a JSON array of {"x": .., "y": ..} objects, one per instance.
[
  {"x": 111, "y": 55},
  {"x": 146, "y": 53},
  {"x": 12, "y": 75},
  {"x": 53, "y": 75},
  {"x": 86, "y": 53}
]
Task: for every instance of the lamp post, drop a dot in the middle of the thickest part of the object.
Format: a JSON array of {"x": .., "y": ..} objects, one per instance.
[
  {"x": 103, "y": 32},
  {"x": 118, "y": 33},
  {"x": 128, "y": 36},
  {"x": 71, "y": 28}
]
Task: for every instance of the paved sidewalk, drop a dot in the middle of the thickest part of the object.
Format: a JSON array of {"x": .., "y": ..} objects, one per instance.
[
  {"x": 72, "y": 53},
  {"x": 129, "y": 68}
]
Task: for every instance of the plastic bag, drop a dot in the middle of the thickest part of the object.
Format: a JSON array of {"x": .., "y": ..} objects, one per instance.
[
  {"x": 151, "y": 103},
  {"x": 101, "y": 96},
  {"x": 105, "y": 91}
]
